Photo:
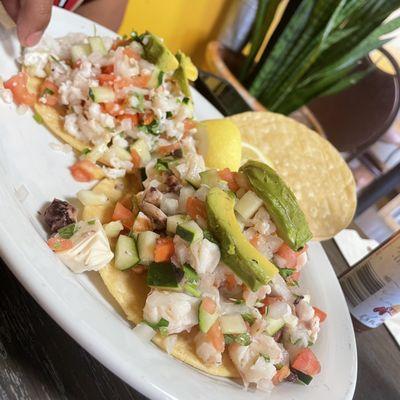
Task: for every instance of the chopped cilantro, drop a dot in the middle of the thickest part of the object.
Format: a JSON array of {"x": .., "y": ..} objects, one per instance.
[
  {"x": 161, "y": 326},
  {"x": 161, "y": 165},
  {"x": 243, "y": 339},
  {"x": 192, "y": 290},
  {"x": 91, "y": 94},
  {"x": 92, "y": 222},
  {"x": 55, "y": 59},
  {"x": 285, "y": 272},
  {"x": 190, "y": 274},
  {"x": 38, "y": 118},
  {"x": 239, "y": 301},
  {"x": 160, "y": 78},
  {"x": 86, "y": 151},
  {"x": 168, "y": 114},
  {"x": 67, "y": 231},
  {"x": 152, "y": 129},
  {"x": 209, "y": 236},
  {"x": 47, "y": 91},
  {"x": 140, "y": 98},
  {"x": 248, "y": 317},
  {"x": 186, "y": 100},
  {"x": 266, "y": 358}
]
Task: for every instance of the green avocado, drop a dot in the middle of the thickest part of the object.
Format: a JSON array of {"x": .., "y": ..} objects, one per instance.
[
  {"x": 243, "y": 258},
  {"x": 185, "y": 72},
  {"x": 280, "y": 202},
  {"x": 157, "y": 53}
]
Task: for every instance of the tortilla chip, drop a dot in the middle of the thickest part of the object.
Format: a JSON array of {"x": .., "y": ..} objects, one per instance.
[
  {"x": 130, "y": 289},
  {"x": 309, "y": 164}
]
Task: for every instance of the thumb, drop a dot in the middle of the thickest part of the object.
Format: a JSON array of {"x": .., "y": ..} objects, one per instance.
[{"x": 33, "y": 18}]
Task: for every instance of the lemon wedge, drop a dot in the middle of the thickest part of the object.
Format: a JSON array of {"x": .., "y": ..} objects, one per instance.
[
  {"x": 250, "y": 152},
  {"x": 219, "y": 142}
]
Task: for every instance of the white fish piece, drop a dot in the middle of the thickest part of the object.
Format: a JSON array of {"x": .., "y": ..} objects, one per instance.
[
  {"x": 179, "y": 309},
  {"x": 205, "y": 256},
  {"x": 91, "y": 248}
]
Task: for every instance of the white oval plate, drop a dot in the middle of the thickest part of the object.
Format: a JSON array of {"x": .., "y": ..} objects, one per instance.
[{"x": 81, "y": 304}]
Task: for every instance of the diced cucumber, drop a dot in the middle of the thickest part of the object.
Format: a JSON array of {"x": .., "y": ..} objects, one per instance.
[
  {"x": 174, "y": 220},
  {"x": 79, "y": 52},
  {"x": 143, "y": 150},
  {"x": 210, "y": 178},
  {"x": 191, "y": 281},
  {"x": 97, "y": 45},
  {"x": 248, "y": 205},
  {"x": 126, "y": 255},
  {"x": 194, "y": 182},
  {"x": 154, "y": 79},
  {"x": 162, "y": 276},
  {"x": 206, "y": 320},
  {"x": 273, "y": 325},
  {"x": 102, "y": 94},
  {"x": 146, "y": 244},
  {"x": 185, "y": 193},
  {"x": 232, "y": 324},
  {"x": 113, "y": 228},
  {"x": 189, "y": 231},
  {"x": 122, "y": 154},
  {"x": 302, "y": 377}
]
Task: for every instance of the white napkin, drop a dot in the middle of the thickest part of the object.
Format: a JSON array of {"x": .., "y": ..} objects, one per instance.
[{"x": 354, "y": 248}]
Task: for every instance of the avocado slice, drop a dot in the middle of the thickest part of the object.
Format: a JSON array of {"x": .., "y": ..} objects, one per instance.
[
  {"x": 157, "y": 53},
  {"x": 185, "y": 72},
  {"x": 243, "y": 258},
  {"x": 280, "y": 202}
]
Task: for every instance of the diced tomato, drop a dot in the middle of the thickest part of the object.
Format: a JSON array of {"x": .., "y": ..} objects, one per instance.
[
  {"x": 85, "y": 171},
  {"x": 209, "y": 305},
  {"x": 320, "y": 314},
  {"x": 18, "y": 85},
  {"x": 113, "y": 109},
  {"x": 138, "y": 81},
  {"x": 188, "y": 124},
  {"x": 164, "y": 249},
  {"x": 148, "y": 117},
  {"x": 281, "y": 375},
  {"x": 57, "y": 243},
  {"x": 106, "y": 79},
  {"x": 196, "y": 208},
  {"x": 165, "y": 150},
  {"x": 241, "y": 180},
  {"x": 216, "y": 337},
  {"x": 133, "y": 117},
  {"x": 126, "y": 201},
  {"x": 136, "y": 160},
  {"x": 107, "y": 69},
  {"x": 268, "y": 301},
  {"x": 307, "y": 363},
  {"x": 48, "y": 93},
  {"x": 231, "y": 282},
  {"x": 124, "y": 215},
  {"x": 227, "y": 175},
  {"x": 128, "y": 51}
]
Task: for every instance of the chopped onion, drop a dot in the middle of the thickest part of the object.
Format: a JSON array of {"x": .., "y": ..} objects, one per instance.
[
  {"x": 144, "y": 331},
  {"x": 231, "y": 308},
  {"x": 170, "y": 342},
  {"x": 21, "y": 193},
  {"x": 89, "y": 198}
]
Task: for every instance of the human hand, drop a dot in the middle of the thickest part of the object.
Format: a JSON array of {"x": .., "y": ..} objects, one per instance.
[{"x": 31, "y": 17}]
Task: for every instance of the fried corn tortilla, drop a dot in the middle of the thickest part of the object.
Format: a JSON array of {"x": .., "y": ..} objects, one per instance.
[
  {"x": 321, "y": 180},
  {"x": 130, "y": 290}
]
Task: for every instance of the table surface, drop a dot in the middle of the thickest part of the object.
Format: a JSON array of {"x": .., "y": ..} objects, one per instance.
[{"x": 38, "y": 360}]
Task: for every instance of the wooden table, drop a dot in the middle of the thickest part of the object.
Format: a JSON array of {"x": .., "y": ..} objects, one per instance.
[{"x": 38, "y": 360}]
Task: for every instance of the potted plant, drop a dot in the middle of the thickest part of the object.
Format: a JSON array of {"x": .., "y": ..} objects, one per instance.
[{"x": 302, "y": 49}]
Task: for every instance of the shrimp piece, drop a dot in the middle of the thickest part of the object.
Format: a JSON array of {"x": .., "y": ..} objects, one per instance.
[
  {"x": 206, "y": 351},
  {"x": 251, "y": 298},
  {"x": 179, "y": 309},
  {"x": 304, "y": 311}
]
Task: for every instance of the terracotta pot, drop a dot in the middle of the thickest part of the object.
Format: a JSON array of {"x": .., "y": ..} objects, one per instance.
[{"x": 222, "y": 61}]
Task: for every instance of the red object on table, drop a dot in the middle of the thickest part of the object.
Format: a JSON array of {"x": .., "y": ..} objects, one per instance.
[{"x": 68, "y": 4}]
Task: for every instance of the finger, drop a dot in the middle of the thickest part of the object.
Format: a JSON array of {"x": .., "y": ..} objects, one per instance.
[
  {"x": 33, "y": 18},
  {"x": 11, "y": 6}
]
